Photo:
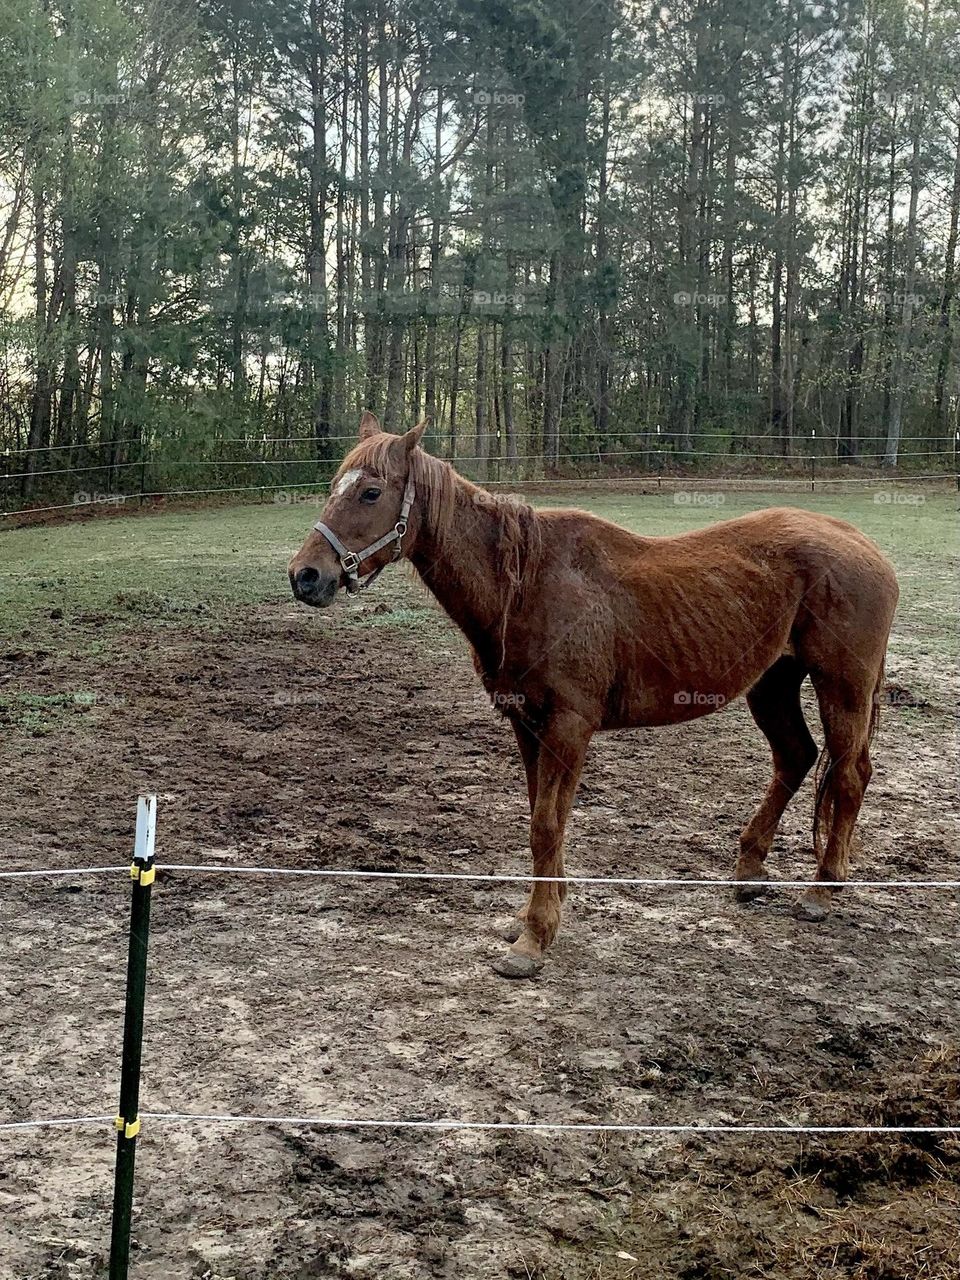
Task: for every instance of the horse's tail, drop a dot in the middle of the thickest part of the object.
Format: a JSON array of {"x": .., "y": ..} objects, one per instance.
[{"x": 823, "y": 798}]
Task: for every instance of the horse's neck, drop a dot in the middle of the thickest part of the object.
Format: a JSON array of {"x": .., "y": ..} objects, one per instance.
[{"x": 462, "y": 569}]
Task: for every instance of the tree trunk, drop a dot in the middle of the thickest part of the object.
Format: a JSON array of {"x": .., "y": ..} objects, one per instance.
[
  {"x": 41, "y": 397},
  {"x": 945, "y": 318},
  {"x": 894, "y": 424},
  {"x": 433, "y": 305}
]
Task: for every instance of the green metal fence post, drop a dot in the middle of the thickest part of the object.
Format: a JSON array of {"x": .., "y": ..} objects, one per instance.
[{"x": 128, "y": 1121}]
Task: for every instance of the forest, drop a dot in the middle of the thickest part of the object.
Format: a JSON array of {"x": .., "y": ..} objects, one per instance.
[{"x": 580, "y": 237}]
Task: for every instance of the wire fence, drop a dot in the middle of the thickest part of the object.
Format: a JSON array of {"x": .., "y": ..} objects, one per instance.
[
  {"x": 41, "y": 481},
  {"x": 479, "y": 877},
  {"x": 282, "y": 491},
  {"x": 127, "y": 1124},
  {"x": 876, "y": 445}
]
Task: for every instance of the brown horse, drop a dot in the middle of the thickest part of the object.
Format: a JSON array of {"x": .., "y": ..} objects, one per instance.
[{"x": 577, "y": 626}]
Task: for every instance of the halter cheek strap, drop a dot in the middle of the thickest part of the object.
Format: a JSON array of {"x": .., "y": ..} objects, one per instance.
[{"x": 350, "y": 561}]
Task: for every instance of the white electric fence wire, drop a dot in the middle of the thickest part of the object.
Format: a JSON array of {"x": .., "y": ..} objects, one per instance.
[
  {"x": 534, "y": 1126},
  {"x": 545, "y": 1126},
  {"x": 874, "y": 446},
  {"x": 337, "y": 873},
  {"x": 705, "y": 484},
  {"x": 602, "y": 455},
  {"x": 522, "y": 879},
  {"x": 347, "y": 873}
]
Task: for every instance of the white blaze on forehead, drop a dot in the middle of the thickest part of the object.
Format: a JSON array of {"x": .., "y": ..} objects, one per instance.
[{"x": 348, "y": 479}]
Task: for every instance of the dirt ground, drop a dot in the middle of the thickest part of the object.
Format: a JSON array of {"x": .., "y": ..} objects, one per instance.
[{"x": 302, "y": 740}]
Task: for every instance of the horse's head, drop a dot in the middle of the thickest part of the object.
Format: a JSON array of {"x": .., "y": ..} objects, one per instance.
[{"x": 362, "y": 526}]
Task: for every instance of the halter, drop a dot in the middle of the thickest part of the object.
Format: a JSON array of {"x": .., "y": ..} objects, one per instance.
[{"x": 350, "y": 561}]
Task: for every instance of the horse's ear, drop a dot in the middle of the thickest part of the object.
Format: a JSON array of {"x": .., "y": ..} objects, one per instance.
[
  {"x": 369, "y": 425},
  {"x": 412, "y": 438}
]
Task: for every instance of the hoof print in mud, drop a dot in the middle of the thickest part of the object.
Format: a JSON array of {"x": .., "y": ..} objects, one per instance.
[
  {"x": 811, "y": 912},
  {"x": 749, "y": 892},
  {"x": 517, "y": 966}
]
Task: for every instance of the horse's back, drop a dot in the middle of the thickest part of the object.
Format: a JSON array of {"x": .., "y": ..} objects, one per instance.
[
  {"x": 808, "y": 541},
  {"x": 660, "y": 622}
]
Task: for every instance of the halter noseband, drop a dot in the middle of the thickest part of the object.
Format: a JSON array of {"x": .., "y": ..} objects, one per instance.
[{"x": 350, "y": 561}]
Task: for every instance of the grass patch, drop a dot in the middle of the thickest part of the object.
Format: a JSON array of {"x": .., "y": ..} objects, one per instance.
[
  {"x": 94, "y": 581},
  {"x": 38, "y": 714},
  {"x": 398, "y": 617}
]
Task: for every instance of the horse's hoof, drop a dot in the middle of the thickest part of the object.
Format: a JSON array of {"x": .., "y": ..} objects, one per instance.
[
  {"x": 513, "y": 931},
  {"x": 515, "y": 965},
  {"x": 811, "y": 910}
]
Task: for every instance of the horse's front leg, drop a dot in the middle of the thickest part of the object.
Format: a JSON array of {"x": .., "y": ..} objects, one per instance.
[{"x": 561, "y": 752}]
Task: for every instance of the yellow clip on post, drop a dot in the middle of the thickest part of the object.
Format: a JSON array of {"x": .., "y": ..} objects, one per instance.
[
  {"x": 128, "y": 1130},
  {"x": 145, "y": 877}
]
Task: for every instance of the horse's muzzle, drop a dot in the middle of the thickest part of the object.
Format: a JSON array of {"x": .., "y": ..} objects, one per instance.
[{"x": 314, "y": 588}]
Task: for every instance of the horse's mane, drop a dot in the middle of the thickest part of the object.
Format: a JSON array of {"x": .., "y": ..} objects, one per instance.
[{"x": 440, "y": 492}]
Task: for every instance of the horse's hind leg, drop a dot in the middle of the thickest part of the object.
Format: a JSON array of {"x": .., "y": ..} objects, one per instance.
[
  {"x": 529, "y": 746},
  {"x": 849, "y": 713},
  {"x": 774, "y": 703}
]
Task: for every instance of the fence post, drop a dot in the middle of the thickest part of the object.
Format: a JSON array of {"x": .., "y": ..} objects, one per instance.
[
  {"x": 128, "y": 1121},
  {"x": 143, "y": 472}
]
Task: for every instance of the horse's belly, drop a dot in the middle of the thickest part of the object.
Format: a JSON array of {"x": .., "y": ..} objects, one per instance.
[
  {"x": 649, "y": 709},
  {"x": 654, "y": 692}
]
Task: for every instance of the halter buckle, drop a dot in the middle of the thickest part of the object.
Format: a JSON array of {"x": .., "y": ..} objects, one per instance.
[
  {"x": 350, "y": 563},
  {"x": 400, "y": 528}
]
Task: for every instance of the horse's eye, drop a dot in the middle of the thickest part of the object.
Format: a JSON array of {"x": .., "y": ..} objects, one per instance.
[{"x": 370, "y": 495}]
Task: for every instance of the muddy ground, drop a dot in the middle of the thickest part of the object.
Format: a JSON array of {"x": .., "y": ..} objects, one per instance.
[{"x": 360, "y": 740}]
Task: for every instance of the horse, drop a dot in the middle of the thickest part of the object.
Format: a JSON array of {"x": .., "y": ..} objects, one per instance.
[{"x": 579, "y": 626}]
